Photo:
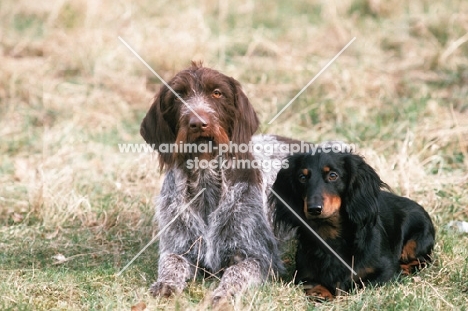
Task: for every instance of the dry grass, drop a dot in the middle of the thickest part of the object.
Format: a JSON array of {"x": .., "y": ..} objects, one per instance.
[{"x": 74, "y": 211}]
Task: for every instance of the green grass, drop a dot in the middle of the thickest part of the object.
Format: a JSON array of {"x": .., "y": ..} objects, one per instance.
[{"x": 74, "y": 211}]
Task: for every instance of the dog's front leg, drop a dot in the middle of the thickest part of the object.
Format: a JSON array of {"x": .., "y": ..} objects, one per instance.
[
  {"x": 173, "y": 273},
  {"x": 236, "y": 279}
]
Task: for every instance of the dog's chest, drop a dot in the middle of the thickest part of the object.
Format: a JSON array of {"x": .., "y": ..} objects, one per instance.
[{"x": 210, "y": 182}]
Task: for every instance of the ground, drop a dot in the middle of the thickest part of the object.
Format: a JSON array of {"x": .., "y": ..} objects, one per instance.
[{"x": 74, "y": 210}]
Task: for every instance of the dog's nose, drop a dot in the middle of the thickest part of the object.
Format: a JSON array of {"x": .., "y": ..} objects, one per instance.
[
  {"x": 314, "y": 209},
  {"x": 196, "y": 124}
]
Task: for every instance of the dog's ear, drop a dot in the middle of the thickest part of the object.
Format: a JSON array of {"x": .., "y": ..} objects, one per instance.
[
  {"x": 363, "y": 190},
  {"x": 156, "y": 130},
  {"x": 286, "y": 187},
  {"x": 246, "y": 122}
]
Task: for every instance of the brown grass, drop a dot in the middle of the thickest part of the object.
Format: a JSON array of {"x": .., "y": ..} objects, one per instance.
[{"x": 70, "y": 91}]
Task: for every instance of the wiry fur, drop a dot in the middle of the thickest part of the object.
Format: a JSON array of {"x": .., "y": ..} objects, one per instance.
[{"x": 226, "y": 230}]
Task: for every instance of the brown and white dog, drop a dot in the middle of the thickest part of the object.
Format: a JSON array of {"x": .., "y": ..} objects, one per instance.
[{"x": 226, "y": 230}]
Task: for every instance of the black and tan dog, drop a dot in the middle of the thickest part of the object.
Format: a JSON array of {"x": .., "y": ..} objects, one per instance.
[{"x": 342, "y": 199}]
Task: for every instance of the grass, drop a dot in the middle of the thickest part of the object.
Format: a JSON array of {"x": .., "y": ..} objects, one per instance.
[{"x": 74, "y": 211}]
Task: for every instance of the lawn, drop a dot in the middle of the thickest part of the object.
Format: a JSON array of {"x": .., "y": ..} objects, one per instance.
[{"x": 74, "y": 210}]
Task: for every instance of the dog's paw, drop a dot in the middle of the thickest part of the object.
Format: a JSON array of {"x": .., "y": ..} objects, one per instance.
[
  {"x": 319, "y": 292},
  {"x": 163, "y": 289},
  {"x": 220, "y": 301},
  {"x": 408, "y": 268}
]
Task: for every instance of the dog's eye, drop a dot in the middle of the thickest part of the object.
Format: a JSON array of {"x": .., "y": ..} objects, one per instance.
[
  {"x": 177, "y": 98},
  {"x": 332, "y": 176},
  {"x": 217, "y": 93},
  {"x": 302, "y": 178}
]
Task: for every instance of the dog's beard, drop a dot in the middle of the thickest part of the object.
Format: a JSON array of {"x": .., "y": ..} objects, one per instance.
[{"x": 203, "y": 145}]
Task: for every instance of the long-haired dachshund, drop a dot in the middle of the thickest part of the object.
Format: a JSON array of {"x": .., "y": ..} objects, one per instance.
[{"x": 340, "y": 197}]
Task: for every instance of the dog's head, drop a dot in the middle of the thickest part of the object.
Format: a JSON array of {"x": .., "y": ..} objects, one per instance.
[
  {"x": 208, "y": 107},
  {"x": 325, "y": 185}
]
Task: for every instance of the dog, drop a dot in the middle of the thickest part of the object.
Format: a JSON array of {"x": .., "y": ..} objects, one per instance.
[
  {"x": 215, "y": 218},
  {"x": 377, "y": 233}
]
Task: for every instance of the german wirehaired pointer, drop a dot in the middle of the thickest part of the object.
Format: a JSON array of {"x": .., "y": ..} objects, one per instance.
[{"x": 226, "y": 230}]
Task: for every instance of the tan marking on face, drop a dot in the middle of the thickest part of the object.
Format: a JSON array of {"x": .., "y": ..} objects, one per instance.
[
  {"x": 326, "y": 169},
  {"x": 305, "y": 171},
  {"x": 331, "y": 205},
  {"x": 331, "y": 229},
  {"x": 409, "y": 251}
]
